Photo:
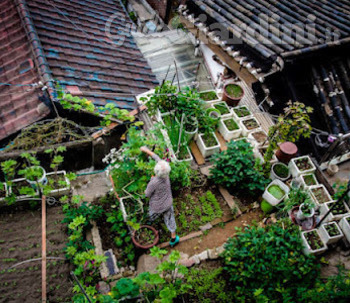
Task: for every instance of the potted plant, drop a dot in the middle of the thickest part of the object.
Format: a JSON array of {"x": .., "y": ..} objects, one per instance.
[
  {"x": 213, "y": 114},
  {"x": 330, "y": 232},
  {"x": 223, "y": 109},
  {"x": 280, "y": 171},
  {"x": 320, "y": 194},
  {"x": 20, "y": 190},
  {"x": 191, "y": 127},
  {"x": 130, "y": 207},
  {"x": 306, "y": 210},
  {"x": 59, "y": 183},
  {"x": 241, "y": 112},
  {"x": 145, "y": 237},
  {"x": 209, "y": 95},
  {"x": 344, "y": 224},
  {"x": 208, "y": 144},
  {"x": 312, "y": 242},
  {"x": 339, "y": 211},
  {"x": 301, "y": 165},
  {"x": 308, "y": 180},
  {"x": 294, "y": 199},
  {"x": 232, "y": 94},
  {"x": 229, "y": 128},
  {"x": 258, "y": 138},
  {"x": 249, "y": 125},
  {"x": 259, "y": 153},
  {"x": 275, "y": 192}
]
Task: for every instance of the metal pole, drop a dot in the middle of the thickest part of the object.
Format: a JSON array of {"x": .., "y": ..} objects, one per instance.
[
  {"x": 81, "y": 288},
  {"x": 334, "y": 204},
  {"x": 43, "y": 250}
]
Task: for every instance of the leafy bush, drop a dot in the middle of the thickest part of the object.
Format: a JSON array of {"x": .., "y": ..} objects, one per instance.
[
  {"x": 237, "y": 169},
  {"x": 269, "y": 264}
]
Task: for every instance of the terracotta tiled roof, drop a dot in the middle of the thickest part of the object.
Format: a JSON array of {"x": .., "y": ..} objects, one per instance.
[
  {"x": 79, "y": 53},
  {"x": 19, "y": 105}
]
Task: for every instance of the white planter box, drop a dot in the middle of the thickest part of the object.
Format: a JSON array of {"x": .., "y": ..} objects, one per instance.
[
  {"x": 144, "y": 95},
  {"x": 294, "y": 170},
  {"x": 326, "y": 238},
  {"x": 27, "y": 184},
  {"x": 6, "y": 191},
  {"x": 259, "y": 155},
  {"x": 272, "y": 199},
  {"x": 207, "y": 151},
  {"x": 245, "y": 130},
  {"x": 208, "y": 103},
  {"x": 227, "y": 115},
  {"x": 241, "y": 118},
  {"x": 310, "y": 188},
  {"x": 229, "y": 134},
  {"x": 274, "y": 176},
  {"x": 345, "y": 226},
  {"x": 324, "y": 208},
  {"x": 254, "y": 141},
  {"x": 138, "y": 206},
  {"x": 302, "y": 181},
  {"x": 308, "y": 249},
  {"x": 60, "y": 191},
  {"x": 184, "y": 160}
]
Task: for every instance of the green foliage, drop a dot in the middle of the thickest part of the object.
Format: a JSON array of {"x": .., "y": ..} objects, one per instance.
[
  {"x": 291, "y": 126},
  {"x": 237, "y": 169},
  {"x": 339, "y": 188},
  {"x": 295, "y": 197},
  {"x": 208, "y": 286},
  {"x": 268, "y": 264}
]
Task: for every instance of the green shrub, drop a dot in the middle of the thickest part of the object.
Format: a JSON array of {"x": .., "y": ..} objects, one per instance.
[
  {"x": 269, "y": 264},
  {"x": 237, "y": 169}
]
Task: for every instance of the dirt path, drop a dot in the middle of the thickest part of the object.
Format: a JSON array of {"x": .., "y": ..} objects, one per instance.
[{"x": 218, "y": 235}]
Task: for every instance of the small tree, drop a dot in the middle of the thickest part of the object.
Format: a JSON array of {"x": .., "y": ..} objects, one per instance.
[
  {"x": 293, "y": 124},
  {"x": 236, "y": 168}
]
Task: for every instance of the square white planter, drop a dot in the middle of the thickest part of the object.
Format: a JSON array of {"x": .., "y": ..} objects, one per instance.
[
  {"x": 138, "y": 206},
  {"x": 272, "y": 199},
  {"x": 208, "y": 103},
  {"x": 24, "y": 196},
  {"x": 184, "y": 160},
  {"x": 245, "y": 130},
  {"x": 229, "y": 134},
  {"x": 303, "y": 183},
  {"x": 344, "y": 224},
  {"x": 252, "y": 139},
  {"x": 250, "y": 115},
  {"x": 207, "y": 151},
  {"x": 224, "y": 104},
  {"x": 307, "y": 248},
  {"x": 6, "y": 191},
  {"x": 144, "y": 95},
  {"x": 295, "y": 170},
  {"x": 326, "y": 237},
  {"x": 324, "y": 208},
  {"x": 311, "y": 188},
  {"x": 61, "y": 191}
]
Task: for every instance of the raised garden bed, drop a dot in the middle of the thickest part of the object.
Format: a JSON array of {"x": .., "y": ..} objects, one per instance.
[
  {"x": 330, "y": 232},
  {"x": 229, "y": 129},
  {"x": 301, "y": 165},
  {"x": 313, "y": 243},
  {"x": 275, "y": 192},
  {"x": 208, "y": 144},
  {"x": 17, "y": 184},
  {"x": 130, "y": 207},
  {"x": 344, "y": 224},
  {"x": 340, "y": 210},
  {"x": 308, "y": 180},
  {"x": 320, "y": 194},
  {"x": 249, "y": 125},
  {"x": 59, "y": 182},
  {"x": 279, "y": 171}
]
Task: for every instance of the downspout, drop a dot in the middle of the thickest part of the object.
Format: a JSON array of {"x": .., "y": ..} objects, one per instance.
[
  {"x": 37, "y": 49},
  {"x": 168, "y": 11}
]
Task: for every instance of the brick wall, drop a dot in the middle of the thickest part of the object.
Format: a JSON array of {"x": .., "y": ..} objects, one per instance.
[{"x": 159, "y": 6}]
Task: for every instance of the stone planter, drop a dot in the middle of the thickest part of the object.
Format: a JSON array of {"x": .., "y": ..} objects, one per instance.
[
  {"x": 274, "y": 175},
  {"x": 332, "y": 169},
  {"x": 307, "y": 247},
  {"x": 60, "y": 191},
  {"x": 296, "y": 171},
  {"x": 229, "y": 134},
  {"x": 334, "y": 215},
  {"x": 304, "y": 180},
  {"x": 326, "y": 195},
  {"x": 241, "y": 112},
  {"x": 137, "y": 204},
  {"x": 230, "y": 99},
  {"x": 257, "y": 138},
  {"x": 344, "y": 224},
  {"x": 270, "y": 197},
  {"x": 326, "y": 237},
  {"x": 222, "y": 107},
  {"x": 207, "y": 151},
  {"x": 246, "y": 129}
]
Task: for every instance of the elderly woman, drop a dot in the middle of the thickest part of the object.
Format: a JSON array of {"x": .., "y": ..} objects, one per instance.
[{"x": 161, "y": 198}]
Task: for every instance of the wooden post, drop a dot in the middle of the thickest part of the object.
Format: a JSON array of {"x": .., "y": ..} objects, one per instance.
[{"x": 43, "y": 249}]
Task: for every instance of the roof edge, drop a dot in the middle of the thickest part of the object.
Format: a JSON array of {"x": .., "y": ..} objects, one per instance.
[{"x": 36, "y": 47}]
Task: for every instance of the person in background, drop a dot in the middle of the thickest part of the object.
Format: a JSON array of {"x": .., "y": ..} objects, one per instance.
[{"x": 161, "y": 199}]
